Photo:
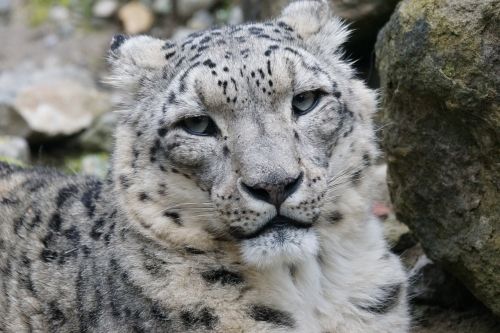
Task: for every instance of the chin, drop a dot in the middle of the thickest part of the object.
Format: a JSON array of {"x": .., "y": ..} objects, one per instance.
[{"x": 280, "y": 246}]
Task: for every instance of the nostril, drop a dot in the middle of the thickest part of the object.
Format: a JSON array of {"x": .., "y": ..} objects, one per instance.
[
  {"x": 257, "y": 192},
  {"x": 293, "y": 186},
  {"x": 274, "y": 194}
]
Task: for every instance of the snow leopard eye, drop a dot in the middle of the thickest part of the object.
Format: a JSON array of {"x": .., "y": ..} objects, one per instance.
[
  {"x": 201, "y": 125},
  {"x": 305, "y": 102}
]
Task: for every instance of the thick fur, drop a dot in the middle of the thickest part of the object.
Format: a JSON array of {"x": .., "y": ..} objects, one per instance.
[{"x": 163, "y": 244}]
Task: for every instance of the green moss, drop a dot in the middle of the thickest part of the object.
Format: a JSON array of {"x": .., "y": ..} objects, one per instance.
[{"x": 10, "y": 160}]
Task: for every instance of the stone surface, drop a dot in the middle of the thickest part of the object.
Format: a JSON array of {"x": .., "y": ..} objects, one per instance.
[
  {"x": 48, "y": 103},
  {"x": 104, "y": 8},
  {"x": 162, "y": 7},
  {"x": 136, "y": 18},
  {"x": 186, "y": 8},
  {"x": 99, "y": 136},
  {"x": 14, "y": 147},
  {"x": 201, "y": 20},
  {"x": 439, "y": 66}
]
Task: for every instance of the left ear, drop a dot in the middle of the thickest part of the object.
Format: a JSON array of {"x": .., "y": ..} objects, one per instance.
[
  {"x": 315, "y": 23},
  {"x": 134, "y": 59}
]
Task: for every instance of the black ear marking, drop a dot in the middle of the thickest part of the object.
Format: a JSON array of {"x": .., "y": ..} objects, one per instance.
[{"x": 117, "y": 41}]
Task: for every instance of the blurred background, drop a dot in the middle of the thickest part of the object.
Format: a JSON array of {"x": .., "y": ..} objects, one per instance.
[{"x": 56, "y": 111}]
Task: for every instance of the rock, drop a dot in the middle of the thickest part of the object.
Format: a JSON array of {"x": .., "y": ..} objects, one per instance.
[
  {"x": 201, "y": 20},
  {"x": 162, "y": 7},
  {"x": 235, "y": 16},
  {"x": 186, "y": 8},
  {"x": 47, "y": 103},
  {"x": 432, "y": 285},
  {"x": 59, "y": 14},
  {"x": 100, "y": 135},
  {"x": 438, "y": 61},
  {"x": 14, "y": 147},
  {"x": 104, "y": 8},
  {"x": 5, "y": 7},
  {"x": 136, "y": 18}
]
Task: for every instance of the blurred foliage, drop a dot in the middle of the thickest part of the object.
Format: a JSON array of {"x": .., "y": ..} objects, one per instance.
[
  {"x": 40, "y": 9},
  {"x": 11, "y": 161}
]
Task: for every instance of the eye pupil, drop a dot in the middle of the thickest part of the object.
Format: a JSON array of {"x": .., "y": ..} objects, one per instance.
[{"x": 305, "y": 102}]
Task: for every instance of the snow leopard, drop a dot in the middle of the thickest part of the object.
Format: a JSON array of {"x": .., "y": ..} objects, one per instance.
[{"x": 237, "y": 200}]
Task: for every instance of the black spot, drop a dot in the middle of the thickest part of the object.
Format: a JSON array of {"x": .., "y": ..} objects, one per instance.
[
  {"x": 335, "y": 216},
  {"x": 72, "y": 234},
  {"x": 223, "y": 276},
  {"x": 356, "y": 177},
  {"x": 144, "y": 197},
  {"x": 174, "y": 216},
  {"x": 193, "y": 250},
  {"x": 269, "y": 67},
  {"x": 225, "y": 69},
  {"x": 117, "y": 41},
  {"x": 366, "y": 159},
  {"x": 90, "y": 197},
  {"x": 209, "y": 63},
  {"x": 64, "y": 194},
  {"x": 124, "y": 181},
  {"x": 337, "y": 94},
  {"x": 162, "y": 131},
  {"x": 57, "y": 318},
  {"x": 389, "y": 301},
  {"x": 205, "y": 40},
  {"x": 203, "y": 317},
  {"x": 48, "y": 255},
  {"x": 285, "y": 26},
  {"x": 96, "y": 230},
  {"x": 261, "y": 312},
  {"x": 169, "y": 55},
  {"x": 171, "y": 97},
  {"x": 55, "y": 222}
]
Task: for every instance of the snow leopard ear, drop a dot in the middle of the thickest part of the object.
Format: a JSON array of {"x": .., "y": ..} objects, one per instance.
[
  {"x": 134, "y": 59},
  {"x": 315, "y": 23}
]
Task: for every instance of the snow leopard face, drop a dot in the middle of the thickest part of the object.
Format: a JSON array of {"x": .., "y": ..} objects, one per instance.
[{"x": 247, "y": 134}]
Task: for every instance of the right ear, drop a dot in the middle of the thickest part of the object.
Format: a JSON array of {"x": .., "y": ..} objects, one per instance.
[{"x": 134, "y": 59}]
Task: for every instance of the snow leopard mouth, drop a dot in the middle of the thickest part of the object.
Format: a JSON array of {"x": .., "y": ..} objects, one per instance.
[{"x": 277, "y": 223}]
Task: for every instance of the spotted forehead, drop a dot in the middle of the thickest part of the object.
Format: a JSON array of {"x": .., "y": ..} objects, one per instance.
[{"x": 236, "y": 59}]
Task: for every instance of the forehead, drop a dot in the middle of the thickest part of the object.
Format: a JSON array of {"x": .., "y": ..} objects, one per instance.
[{"x": 230, "y": 65}]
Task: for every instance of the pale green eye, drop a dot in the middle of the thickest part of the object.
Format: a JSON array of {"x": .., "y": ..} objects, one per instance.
[
  {"x": 305, "y": 102},
  {"x": 201, "y": 125}
]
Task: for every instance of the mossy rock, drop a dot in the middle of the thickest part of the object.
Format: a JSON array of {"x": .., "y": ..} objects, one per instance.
[{"x": 439, "y": 66}]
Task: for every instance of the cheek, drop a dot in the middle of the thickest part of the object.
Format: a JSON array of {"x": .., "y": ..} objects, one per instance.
[{"x": 190, "y": 152}]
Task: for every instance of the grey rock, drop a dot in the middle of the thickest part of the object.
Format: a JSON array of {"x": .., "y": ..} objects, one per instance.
[
  {"x": 5, "y": 7},
  {"x": 162, "y": 7},
  {"x": 14, "y": 148},
  {"x": 235, "y": 15},
  {"x": 105, "y": 8},
  {"x": 186, "y": 8},
  {"x": 100, "y": 135},
  {"x": 42, "y": 104},
  {"x": 201, "y": 20},
  {"x": 439, "y": 67},
  {"x": 136, "y": 18}
]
